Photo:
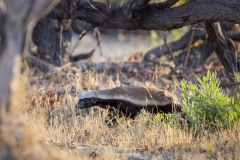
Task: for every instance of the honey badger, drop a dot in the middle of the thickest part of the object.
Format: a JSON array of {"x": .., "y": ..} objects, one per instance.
[{"x": 129, "y": 100}]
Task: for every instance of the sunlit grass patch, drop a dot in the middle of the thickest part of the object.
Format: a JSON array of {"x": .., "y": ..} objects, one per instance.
[{"x": 63, "y": 128}]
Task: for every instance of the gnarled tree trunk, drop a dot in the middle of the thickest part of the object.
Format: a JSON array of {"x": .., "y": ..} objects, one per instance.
[{"x": 17, "y": 22}]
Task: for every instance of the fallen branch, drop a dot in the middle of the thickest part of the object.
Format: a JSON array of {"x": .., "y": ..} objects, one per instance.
[
  {"x": 39, "y": 63},
  {"x": 197, "y": 56},
  {"x": 229, "y": 84},
  {"x": 82, "y": 56},
  {"x": 159, "y": 51},
  {"x": 183, "y": 43},
  {"x": 107, "y": 67},
  {"x": 151, "y": 17}
]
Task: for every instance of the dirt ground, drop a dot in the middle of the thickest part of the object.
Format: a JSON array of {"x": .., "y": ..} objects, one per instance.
[{"x": 114, "y": 44}]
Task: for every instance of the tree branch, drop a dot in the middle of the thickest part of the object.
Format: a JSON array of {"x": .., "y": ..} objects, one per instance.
[
  {"x": 151, "y": 17},
  {"x": 166, "y": 4}
]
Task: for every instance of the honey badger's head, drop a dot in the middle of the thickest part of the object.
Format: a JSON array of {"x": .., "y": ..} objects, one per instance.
[
  {"x": 88, "y": 100},
  {"x": 86, "y": 103}
]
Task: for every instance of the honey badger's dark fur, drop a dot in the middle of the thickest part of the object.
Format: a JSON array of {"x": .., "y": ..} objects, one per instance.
[{"x": 129, "y": 100}]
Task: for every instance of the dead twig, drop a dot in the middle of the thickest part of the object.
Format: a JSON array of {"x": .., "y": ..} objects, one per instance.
[
  {"x": 189, "y": 48},
  {"x": 82, "y": 56}
]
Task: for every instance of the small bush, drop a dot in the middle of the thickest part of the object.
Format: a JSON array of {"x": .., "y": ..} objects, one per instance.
[{"x": 206, "y": 105}]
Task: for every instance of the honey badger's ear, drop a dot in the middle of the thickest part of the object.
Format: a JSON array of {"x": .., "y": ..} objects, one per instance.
[{"x": 94, "y": 100}]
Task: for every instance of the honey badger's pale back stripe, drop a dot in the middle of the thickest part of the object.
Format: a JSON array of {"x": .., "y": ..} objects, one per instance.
[{"x": 138, "y": 95}]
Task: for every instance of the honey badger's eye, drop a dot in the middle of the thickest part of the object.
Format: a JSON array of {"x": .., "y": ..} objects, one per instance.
[{"x": 84, "y": 100}]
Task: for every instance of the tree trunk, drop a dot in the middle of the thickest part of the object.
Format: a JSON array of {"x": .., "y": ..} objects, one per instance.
[
  {"x": 51, "y": 41},
  {"x": 224, "y": 48},
  {"x": 16, "y": 24},
  {"x": 9, "y": 60}
]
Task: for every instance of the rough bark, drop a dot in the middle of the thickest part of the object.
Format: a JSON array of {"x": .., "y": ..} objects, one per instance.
[
  {"x": 2, "y": 21},
  {"x": 153, "y": 17},
  {"x": 21, "y": 15},
  {"x": 51, "y": 40}
]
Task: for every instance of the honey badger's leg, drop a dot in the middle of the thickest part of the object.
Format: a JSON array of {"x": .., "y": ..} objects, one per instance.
[
  {"x": 129, "y": 109},
  {"x": 113, "y": 115},
  {"x": 121, "y": 109},
  {"x": 125, "y": 108}
]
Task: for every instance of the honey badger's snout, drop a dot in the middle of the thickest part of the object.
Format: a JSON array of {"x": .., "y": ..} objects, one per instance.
[{"x": 80, "y": 104}]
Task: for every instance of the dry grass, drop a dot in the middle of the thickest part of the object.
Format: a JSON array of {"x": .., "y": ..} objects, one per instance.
[{"x": 49, "y": 127}]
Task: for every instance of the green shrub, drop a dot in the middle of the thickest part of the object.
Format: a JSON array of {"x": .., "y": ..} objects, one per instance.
[{"x": 206, "y": 105}]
